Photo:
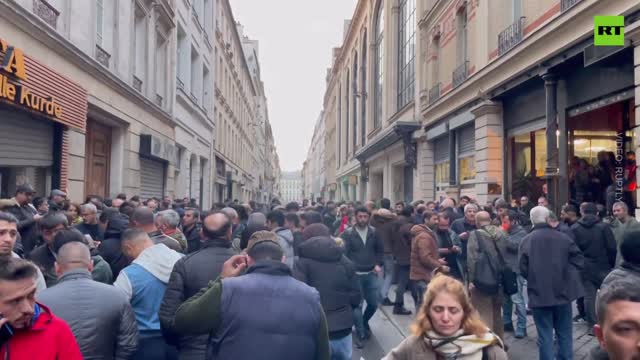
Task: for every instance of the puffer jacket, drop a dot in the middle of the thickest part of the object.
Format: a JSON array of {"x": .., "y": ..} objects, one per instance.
[
  {"x": 598, "y": 245},
  {"x": 99, "y": 315},
  {"x": 110, "y": 249},
  {"x": 322, "y": 265},
  {"x": 285, "y": 239},
  {"x": 424, "y": 253},
  {"x": 385, "y": 225},
  {"x": 190, "y": 274}
]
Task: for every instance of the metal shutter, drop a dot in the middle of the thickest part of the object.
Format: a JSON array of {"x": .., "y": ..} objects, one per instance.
[
  {"x": 441, "y": 149},
  {"x": 151, "y": 178},
  {"x": 467, "y": 140},
  {"x": 25, "y": 141}
]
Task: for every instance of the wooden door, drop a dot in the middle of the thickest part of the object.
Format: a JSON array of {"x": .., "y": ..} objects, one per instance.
[{"x": 98, "y": 153}]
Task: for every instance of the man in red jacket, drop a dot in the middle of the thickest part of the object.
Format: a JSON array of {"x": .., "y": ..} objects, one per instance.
[{"x": 29, "y": 330}]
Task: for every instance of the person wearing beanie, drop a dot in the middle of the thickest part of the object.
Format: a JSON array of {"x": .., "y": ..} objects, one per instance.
[{"x": 322, "y": 265}]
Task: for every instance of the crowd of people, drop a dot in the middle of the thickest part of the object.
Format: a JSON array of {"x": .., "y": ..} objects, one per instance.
[{"x": 163, "y": 279}]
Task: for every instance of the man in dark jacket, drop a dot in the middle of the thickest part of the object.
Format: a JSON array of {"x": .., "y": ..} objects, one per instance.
[
  {"x": 365, "y": 249},
  {"x": 27, "y": 219},
  {"x": 464, "y": 226},
  {"x": 192, "y": 273},
  {"x": 402, "y": 256},
  {"x": 515, "y": 234},
  {"x": 232, "y": 309},
  {"x": 56, "y": 200},
  {"x": 99, "y": 315},
  {"x": 322, "y": 265},
  {"x": 44, "y": 255},
  {"x": 449, "y": 247},
  {"x": 89, "y": 225},
  {"x": 191, "y": 228},
  {"x": 144, "y": 219},
  {"x": 383, "y": 221},
  {"x": 111, "y": 248},
  {"x": 551, "y": 263},
  {"x": 598, "y": 245}
]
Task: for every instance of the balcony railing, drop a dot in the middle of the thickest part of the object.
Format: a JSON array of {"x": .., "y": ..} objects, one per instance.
[
  {"x": 159, "y": 100},
  {"x": 102, "y": 56},
  {"x": 511, "y": 36},
  {"x": 137, "y": 83},
  {"x": 460, "y": 74},
  {"x": 46, "y": 12},
  {"x": 194, "y": 99},
  {"x": 434, "y": 93},
  {"x": 567, "y": 4},
  {"x": 179, "y": 83}
]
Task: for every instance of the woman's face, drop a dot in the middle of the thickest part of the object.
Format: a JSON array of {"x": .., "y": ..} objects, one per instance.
[
  {"x": 73, "y": 212},
  {"x": 446, "y": 314}
]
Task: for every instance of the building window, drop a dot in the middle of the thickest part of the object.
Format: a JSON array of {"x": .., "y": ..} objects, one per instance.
[
  {"x": 466, "y": 154},
  {"x": 461, "y": 49},
  {"x": 99, "y": 21},
  {"x": 161, "y": 69},
  {"x": 339, "y": 125},
  {"x": 441, "y": 159},
  {"x": 139, "y": 49},
  {"x": 379, "y": 64},
  {"x": 354, "y": 93},
  {"x": 406, "y": 52},
  {"x": 181, "y": 57},
  {"x": 363, "y": 89},
  {"x": 346, "y": 102}
]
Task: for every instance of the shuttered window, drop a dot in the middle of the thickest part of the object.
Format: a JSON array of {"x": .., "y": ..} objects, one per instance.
[
  {"x": 441, "y": 149},
  {"x": 25, "y": 141},
  {"x": 466, "y": 140},
  {"x": 151, "y": 178},
  {"x": 466, "y": 153}
]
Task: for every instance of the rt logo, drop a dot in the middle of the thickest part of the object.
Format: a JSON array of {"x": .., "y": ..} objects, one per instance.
[{"x": 608, "y": 30}]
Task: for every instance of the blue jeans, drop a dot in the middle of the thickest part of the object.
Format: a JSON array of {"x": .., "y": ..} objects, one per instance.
[
  {"x": 418, "y": 288},
  {"x": 369, "y": 287},
  {"x": 516, "y": 299},
  {"x": 388, "y": 269},
  {"x": 548, "y": 319},
  {"x": 341, "y": 349}
]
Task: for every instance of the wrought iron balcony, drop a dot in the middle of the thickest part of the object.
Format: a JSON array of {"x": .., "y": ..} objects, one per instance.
[
  {"x": 159, "y": 100},
  {"x": 102, "y": 56},
  {"x": 567, "y": 4},
  {"x": 46, "y": 12},
  {"x": 460, "y": 74},
  {"x": 434, "y": 93},
  {"x": 137, "y": 83},
  {"x": 511, "y": 36},
  {"x": 179, "y": 83}
]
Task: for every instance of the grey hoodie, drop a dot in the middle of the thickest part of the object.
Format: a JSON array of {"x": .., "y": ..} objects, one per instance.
[{"x": 285, "y": 239}]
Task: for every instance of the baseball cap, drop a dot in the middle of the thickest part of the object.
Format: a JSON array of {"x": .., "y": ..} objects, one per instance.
[
  {"x": 25, "y": 188},
  {"x": 260, "y": 237},
  {"x": 57, "y": 192}
]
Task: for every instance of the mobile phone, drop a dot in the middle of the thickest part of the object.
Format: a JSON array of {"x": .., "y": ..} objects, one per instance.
[{"x": 6, "y": 332}]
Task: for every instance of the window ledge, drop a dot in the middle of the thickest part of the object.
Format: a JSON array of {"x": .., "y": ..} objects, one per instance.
[{"x": 374, "y": 132}]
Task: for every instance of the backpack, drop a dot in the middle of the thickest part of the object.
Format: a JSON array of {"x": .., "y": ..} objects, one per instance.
[{"x": 491, "y": 274}]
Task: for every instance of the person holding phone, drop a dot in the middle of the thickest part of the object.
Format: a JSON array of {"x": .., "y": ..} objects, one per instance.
[{"x": 29, "y": 329}]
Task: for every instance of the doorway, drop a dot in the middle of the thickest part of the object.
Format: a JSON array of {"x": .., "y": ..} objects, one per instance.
[{"x": 98, "y": 157}]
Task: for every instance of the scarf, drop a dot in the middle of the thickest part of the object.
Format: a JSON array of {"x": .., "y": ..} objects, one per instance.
[
  {"x": 460, "y": 346},
  {"x": 344, "y": 223}
]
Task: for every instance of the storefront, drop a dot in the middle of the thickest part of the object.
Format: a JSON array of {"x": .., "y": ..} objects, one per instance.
[
  {"x": 155, "y": 157},
  {"x": 38, "y": 110}
]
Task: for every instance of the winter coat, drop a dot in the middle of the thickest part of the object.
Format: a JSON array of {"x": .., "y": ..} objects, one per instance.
[
  {"x": 144, "y": 283},
  {"x": 626, "y": 271},
  {"x": 514, "y": 239},
  {"x": 193, "y": 238},
  {"x": 91, "y": 230},
  {"x": 488, "y": 235},
  {"x": 322, "y": 265},
  {"x": 461, "y": 225},
  {"x": 111, "y": 249},
  {"x": 99, "y": 315},
  {"x": 598, "y": 245},
  {"x": 551, "y": 263},
  {"x": 159, "y": 238},
  {"x": 285, "y": 239},
  {"x": 365, "y": 254},
  {"x": 385, "y": 226},
  {"x": 27, "y": 226},
  {"x": 48, "y": 338},
  {"x": 101, "y": 269},
  {"x": 416, "y": 348},
  {"x": 190, "y": 274},
  {"x": 402, "y": 240},
  {"x": 178, "y": 236},
  {"x": 618, "y": 233},
  {"x": 424, "y": 253},
  {"x": 447, "y": 240}
]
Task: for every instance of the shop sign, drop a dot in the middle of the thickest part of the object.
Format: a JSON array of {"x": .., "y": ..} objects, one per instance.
[
  {"x": 11, "y": 89},
  {"x": 608, "y": 30}
]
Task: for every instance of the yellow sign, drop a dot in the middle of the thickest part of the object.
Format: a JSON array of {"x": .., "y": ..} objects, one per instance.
[{"x": 14, "y": 91}]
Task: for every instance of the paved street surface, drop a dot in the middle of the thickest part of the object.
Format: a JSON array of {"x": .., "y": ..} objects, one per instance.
[{"x": 389, "y": 330}]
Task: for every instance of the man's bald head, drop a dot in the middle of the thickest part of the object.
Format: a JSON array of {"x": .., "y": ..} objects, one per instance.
[
  {"x": 73, "y": 255},
  {"x": 142, "y": 218},
  {"x": 134, "y": 242},
  {"x": 217, "y": 225},
  {"x": 483, "y": 218},
  {"x": 447, "y": 203}
]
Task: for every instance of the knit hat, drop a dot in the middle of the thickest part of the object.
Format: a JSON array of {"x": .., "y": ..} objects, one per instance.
[{"x": 314, "y": 230}]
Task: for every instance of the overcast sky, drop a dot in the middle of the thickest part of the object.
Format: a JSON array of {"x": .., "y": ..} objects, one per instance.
[{"x": 296, "y": 38}]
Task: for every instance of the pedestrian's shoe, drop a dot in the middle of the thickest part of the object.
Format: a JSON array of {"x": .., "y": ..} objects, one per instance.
[
  {"x": 520, "y": 335},
  {"x": 387, "y": 302},
  {"x": 508, "y": 327},
  {"x": 578, "y": 319},
  {"x": 400, "y": 310},
  {"x": 367, "y": 332},
  {"x": 359, "y": 341},
  {"x": 591, "y": 333}
]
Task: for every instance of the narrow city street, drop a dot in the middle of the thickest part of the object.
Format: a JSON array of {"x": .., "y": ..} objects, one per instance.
[{"x": 389, "y": 330}]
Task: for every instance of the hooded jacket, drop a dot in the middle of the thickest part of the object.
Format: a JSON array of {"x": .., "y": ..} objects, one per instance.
[
  {"x": 190, "y": 274},
  {"x": 110, "y": 249},
  {"x": 285, "y": 239},
  {"x": 424, "y": 253},
  {"x": 322, "y": 265},
  {"x": 145, "y": 281},
  {"x": 598, "y": 245},
  {"x": 107, "y": 331},
  {"x": 49, "y": 338},
  {"x": 384, "y": 225}
]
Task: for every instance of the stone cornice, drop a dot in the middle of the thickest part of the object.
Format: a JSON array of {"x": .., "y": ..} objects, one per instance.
[{"x": 31, "y": 24}]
